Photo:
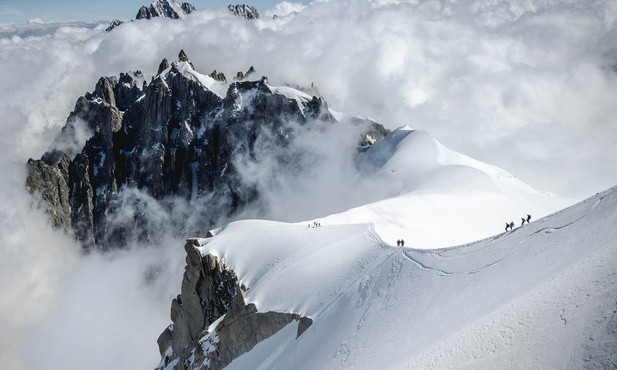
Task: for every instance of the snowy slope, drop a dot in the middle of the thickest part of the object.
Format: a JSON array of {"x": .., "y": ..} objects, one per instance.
[
  {"x": 187, "y": 70},
  {"x": 545, "y": 291},
  {"x": 435, "y": 197}
]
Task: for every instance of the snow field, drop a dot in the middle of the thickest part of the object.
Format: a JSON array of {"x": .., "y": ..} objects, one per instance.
[{"x": 415, "y": 308}]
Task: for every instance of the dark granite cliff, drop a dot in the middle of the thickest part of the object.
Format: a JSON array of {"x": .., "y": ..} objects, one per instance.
[{"x": 178, "y": 137}]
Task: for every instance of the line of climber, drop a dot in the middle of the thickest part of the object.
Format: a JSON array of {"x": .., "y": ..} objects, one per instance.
[{"x": 510, "y": 225}]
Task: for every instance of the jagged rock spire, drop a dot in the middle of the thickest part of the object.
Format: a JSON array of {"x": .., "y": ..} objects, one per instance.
[
  {"x": 163, "y": 66},
  {"x": 182, "y": 56}
]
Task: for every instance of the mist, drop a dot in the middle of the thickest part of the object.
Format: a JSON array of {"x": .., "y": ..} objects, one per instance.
[{"x": 529, "y": 86}]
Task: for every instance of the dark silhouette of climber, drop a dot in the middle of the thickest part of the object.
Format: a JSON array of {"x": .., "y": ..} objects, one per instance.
[
  {"x": 511, "y": 225},
  {"x": 528, "y": 218}
]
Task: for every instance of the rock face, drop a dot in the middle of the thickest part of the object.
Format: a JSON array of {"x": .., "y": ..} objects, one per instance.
[
  {"x": 165, "y": 9},
  {"x": 208, "y": 289},
  {"x": 50, "y": 181},
  {"x": 179, "y": 137},
  {"x": 159, "y": 8},
  {"x": 209, "y": 292},
  {"x": 243, "y": 10}
]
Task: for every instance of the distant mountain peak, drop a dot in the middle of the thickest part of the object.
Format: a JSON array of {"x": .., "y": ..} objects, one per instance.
[
  {"x": 165, "y": 9},
  {"x": 159, "y": 9},
  {"x": 243, "y": 10}
]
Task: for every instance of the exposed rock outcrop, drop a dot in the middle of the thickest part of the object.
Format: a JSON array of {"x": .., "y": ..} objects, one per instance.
[
  {"x": 50, "y": 182},
  {"x": 243, "y": 10},
  {"x": 208, "y": 289},
  {"x": 242, "y": 75},
  {"x": 209, "y": 292},
  {"x": 373, "y": 134},
  {"x": 218, "y": 76},
  {"x": 163, "y": 66}
]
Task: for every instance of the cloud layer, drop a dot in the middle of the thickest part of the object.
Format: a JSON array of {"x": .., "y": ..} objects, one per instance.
[{"x": 527, "y": 85}]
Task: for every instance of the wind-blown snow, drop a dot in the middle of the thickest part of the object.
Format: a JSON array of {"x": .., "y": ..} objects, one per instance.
[{"x": 373, "y": 303}]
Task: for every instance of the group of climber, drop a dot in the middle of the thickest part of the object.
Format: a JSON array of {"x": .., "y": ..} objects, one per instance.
[
  {"x": 510, "y": 225},
  {"x": 400, "y": 243},
  {"x": 315, "y": 224}
]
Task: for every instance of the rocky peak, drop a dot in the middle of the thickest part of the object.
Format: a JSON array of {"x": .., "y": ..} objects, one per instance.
[
  {"x": 159, "y": 8},
  {"x": 218, "y": 76},
  {"x": 243, "y": 10},
  {"x": 187, "y": 8},
  {"x": 182, "y": 56},
  {"x": 104, "y": 90},
  {"x": 242, "y": 75},
  {"x": 163, "y": 66},
  {"x": 165, "y": 9}
]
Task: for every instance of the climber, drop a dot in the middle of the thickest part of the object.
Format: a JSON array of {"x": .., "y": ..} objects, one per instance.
[
  {"x": 522, "y": 221},
  {"x": 507, "y": 226},
  {"x": 528, "y": 218},
  {"x": 402, "y": 243},
  {"x": 511, "y": 225},
  {"x": 398, "y": 243}
]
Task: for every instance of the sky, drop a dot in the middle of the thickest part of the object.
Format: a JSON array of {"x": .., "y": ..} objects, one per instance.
[
  {"x": 527, "y": 85},
  {"x": 90, "y": 10}
]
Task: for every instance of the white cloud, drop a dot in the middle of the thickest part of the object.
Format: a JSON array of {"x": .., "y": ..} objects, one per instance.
[{"x": 527, "y": 85}]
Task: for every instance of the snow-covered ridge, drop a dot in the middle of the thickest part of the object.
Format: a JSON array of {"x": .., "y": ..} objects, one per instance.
[
  {"x": 186, "y": 69},
  {"x": 368, "y": 297},
  {"x": 431, "y": 196}
]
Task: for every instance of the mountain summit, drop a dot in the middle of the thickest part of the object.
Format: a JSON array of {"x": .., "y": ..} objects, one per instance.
[
  {"x": 159, "y": 9},
  {"x": 165, "y": 9},
  {"x": 243, "y": 10}
]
